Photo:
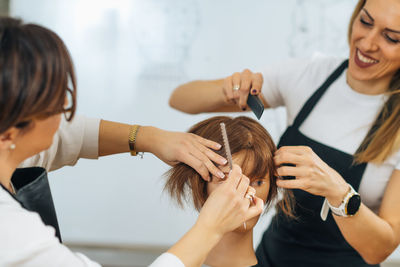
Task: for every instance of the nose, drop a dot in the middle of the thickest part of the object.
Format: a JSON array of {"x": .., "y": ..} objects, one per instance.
[{"x": 370, "y": 42}]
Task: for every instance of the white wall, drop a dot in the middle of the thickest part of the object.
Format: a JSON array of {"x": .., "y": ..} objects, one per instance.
[{"x": 129, "y": 56}]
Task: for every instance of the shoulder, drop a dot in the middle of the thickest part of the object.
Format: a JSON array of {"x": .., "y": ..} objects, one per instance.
[
  {"x": 310, "y": 73},
  {"x": 321, "y": 65},
  {"x": 317, "y": 64},
  {"x": 7, "y": 201},
  {"x": 18, "y": 225},
  {"x": 301, "y": 72},
  {"x": 290, "y": 82},
  {"x": 73, "y": 140},
  {"x": 314, "y": 69}
]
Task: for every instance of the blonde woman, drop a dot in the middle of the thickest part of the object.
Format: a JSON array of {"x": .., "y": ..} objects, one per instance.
[{"x": 342, "y": 144}]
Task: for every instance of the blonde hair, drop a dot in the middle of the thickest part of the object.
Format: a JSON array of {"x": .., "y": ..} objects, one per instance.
[{"x": 384, "y": 137}]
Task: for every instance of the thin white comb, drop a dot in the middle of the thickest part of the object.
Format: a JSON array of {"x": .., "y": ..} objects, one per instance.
[{"x": 226, "y": 145}]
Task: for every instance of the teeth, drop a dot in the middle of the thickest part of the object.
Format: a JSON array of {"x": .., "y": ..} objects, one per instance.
[{"x": 364, "y": 59}]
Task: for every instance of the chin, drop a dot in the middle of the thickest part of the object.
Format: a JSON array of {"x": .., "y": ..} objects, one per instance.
[
  {"x": 48, "y": 146},
  {"x": 358, "y": 74},
  {"x": 44, "y": 147},
  {"x": 363, "y": 71}
]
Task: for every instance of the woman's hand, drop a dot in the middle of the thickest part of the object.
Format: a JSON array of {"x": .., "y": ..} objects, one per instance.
[
  {"x": 227, "y": 207},
  {"x": 222, "y": 95},
  {"x": 237, "y": 87},
  {"x": 170, "y": 147},
  {"x": 312, "y": 174},
  {"x": 174, "y": 147}
]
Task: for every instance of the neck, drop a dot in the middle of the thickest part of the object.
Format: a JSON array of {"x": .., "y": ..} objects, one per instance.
[
  {"x": 234, "y": 250},
  {"x": 370, "y": 87},
  {"x": 7, "y": 168}
]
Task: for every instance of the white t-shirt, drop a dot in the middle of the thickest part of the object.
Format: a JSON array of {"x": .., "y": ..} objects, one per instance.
[
  {"x": 24, "y": 240},
  {"x": 341, "y": 118}
]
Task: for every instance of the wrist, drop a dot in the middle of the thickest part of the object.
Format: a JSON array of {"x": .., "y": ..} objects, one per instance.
[
  {"x": 349, "y": 205},
  {"x": 211, "y": 233},
  {"x": 337, "y": 196},
  {"x": 221, "y": 98},
  {"x": 145, "y": 138},
  {"x": 199, "y": 238}
]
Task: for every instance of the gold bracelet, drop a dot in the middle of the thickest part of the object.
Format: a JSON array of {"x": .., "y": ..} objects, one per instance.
[{"x": 132, "y": 139}]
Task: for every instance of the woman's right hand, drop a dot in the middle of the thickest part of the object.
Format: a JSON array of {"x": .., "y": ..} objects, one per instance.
[
  {"x": 227, "y": 207},
  {"x": 237, "y": 87},
  {"x": 222, "y": 95},
  {"x": 175, "y": 147}
]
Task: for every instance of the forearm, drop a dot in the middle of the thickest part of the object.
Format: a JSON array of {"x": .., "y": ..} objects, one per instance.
[
  {"x": 193, "y": 248},
  {"x": 201, "y": 96},
  {"x": 373, "y": 237},
  {"x": 114, "y": 136}
]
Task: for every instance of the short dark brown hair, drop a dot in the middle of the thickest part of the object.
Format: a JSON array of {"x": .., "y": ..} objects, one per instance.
[
  {"x": 35, "y": 72},
  {"x": 245, "y": 135}
]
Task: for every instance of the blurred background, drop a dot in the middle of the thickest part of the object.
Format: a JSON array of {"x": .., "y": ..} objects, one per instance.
[{"x": 129, "y": 56}]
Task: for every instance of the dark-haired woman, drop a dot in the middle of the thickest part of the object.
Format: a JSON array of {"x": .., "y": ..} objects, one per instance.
[
  {"x": 343, "y": 141},
  {"x": 36, "y": 73}
]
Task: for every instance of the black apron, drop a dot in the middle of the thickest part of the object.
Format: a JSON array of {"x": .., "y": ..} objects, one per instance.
[
  {"x": 308, "y": 240},
  {"x": 33, "y": 193}
]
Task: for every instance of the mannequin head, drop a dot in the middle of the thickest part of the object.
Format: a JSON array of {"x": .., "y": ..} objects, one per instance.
[{"x": 252, "y": 149}]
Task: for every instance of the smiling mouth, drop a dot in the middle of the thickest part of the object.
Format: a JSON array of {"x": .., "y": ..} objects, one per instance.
[{"x": 364, "y": 61}]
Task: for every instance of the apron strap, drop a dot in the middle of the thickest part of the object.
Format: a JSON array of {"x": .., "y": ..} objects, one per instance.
[{"x": 312, "y": 101}]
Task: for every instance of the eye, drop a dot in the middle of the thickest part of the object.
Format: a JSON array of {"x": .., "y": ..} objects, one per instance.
[
  {"x": 257, "y": 183},
  {"x": 364, "y": 22},
  {"x": 389, "y": 39}
]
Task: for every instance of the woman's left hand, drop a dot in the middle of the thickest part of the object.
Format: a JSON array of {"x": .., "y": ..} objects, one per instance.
[
  {"x": 191, "y": 149},
  {"x": 312, "y": 174}
]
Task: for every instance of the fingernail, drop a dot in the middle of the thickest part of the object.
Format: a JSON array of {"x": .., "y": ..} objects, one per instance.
[
  {"x": 254, "y": 91},
  {"x": 218, "y": 146},
  {"x": 221, "y": 175},
  {"x": 224, "y": 161}
]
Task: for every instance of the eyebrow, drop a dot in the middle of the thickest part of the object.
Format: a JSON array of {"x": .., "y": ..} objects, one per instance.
[
  {"x": 366, "y": 12},
  {"x": 371, "y": 18}
]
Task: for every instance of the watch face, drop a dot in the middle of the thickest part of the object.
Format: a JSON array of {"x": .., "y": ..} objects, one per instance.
[{"x": 353, "y": 205}]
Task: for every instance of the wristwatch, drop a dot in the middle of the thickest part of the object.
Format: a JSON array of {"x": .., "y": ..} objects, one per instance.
[{"x": 350, "y": 204}]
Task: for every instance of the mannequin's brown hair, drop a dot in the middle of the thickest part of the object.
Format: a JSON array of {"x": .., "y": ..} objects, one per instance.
[{"x": 245, "y": 136}]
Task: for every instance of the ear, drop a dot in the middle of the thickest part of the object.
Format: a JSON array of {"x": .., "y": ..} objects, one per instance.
[{"x": 8, "y": 138}]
